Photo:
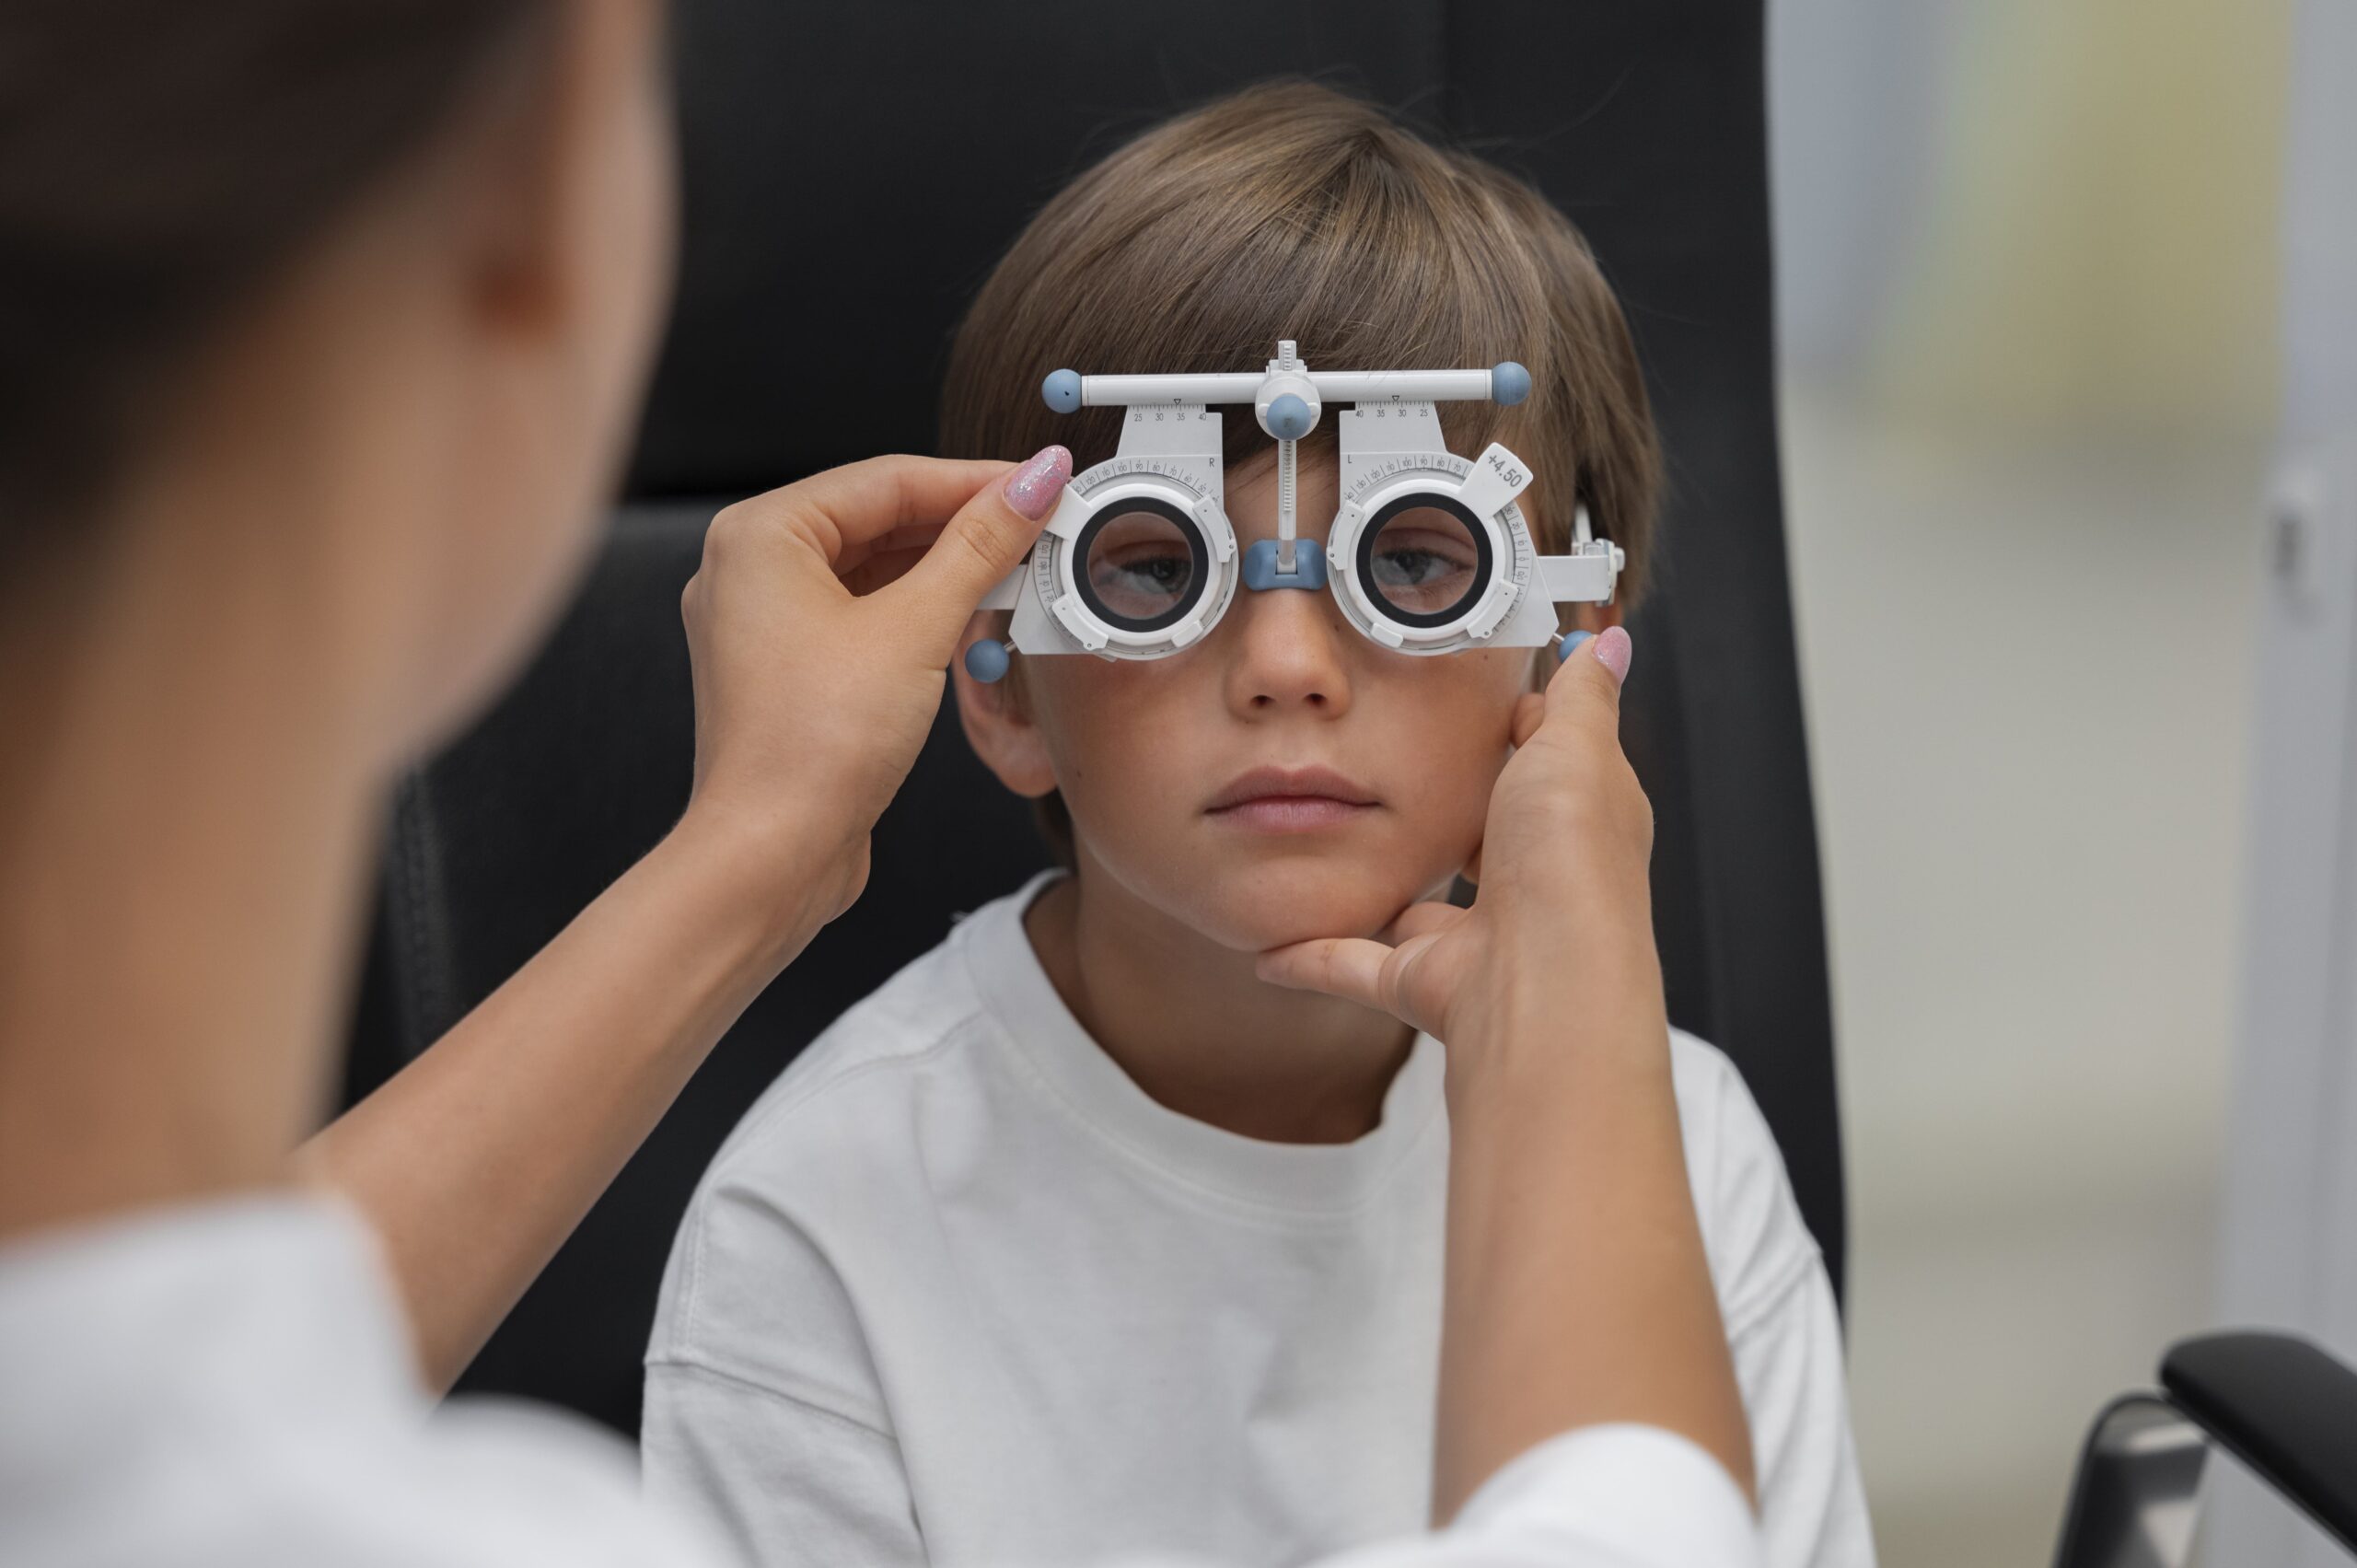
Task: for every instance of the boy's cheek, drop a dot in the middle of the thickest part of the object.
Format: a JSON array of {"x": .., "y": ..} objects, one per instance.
[
  {"x": 1466, "y": 743},
  {"x": 1452, "y": 811},
  {"x": 1121, "y": 741}
]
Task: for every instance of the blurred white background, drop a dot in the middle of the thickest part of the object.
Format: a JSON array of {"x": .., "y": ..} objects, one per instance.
[{"x": 2028, "y": 294}]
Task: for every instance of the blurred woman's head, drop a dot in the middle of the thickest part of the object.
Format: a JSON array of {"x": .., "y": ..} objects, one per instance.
[{"x": 331, "y": 313}]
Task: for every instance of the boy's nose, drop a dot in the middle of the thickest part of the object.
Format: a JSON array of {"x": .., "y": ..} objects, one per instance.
[{"x": 1289, "y": 655}]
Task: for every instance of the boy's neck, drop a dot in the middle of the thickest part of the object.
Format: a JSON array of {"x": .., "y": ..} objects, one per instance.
[{"x": 1194, "y": 1028}]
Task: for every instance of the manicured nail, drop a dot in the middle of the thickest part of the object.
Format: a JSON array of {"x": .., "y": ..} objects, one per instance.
[
  {"x": 1613, "y": 651},
  {"x": 1033, "y": 488}
]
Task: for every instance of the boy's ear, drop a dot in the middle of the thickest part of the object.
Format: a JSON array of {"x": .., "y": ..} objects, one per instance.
[{"x": 997, "y": 719}]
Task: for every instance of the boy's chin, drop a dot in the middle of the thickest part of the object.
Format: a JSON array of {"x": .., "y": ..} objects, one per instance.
[{"x": 1269, "y": 906}]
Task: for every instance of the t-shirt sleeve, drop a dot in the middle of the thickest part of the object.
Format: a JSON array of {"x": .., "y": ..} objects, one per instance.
[
  {"x": 785, "y": 1484},
  {"x": 764, "y": 1421},
  {"x": 1785, "y": 1336}
]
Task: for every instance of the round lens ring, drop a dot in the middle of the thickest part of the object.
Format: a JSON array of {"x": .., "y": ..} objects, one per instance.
[
  {"x": 1139, "y": 565},
  {"x": 1425, "y": 559}
]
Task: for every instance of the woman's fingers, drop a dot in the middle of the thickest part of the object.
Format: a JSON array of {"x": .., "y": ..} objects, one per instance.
[
  {"x": 1353, "y": 966},
  {"x": 937, "y": 533},
  {"x": 887, "y": 561},
  {"x": 852, "y": 519},
  {"x": 846, "y": 511},
  {"x": 986, "y": 539},
  {"x": 1357, "y": 969},
  {"x": 1529, "y": 713},
  {"x": 1422, "y": 919},
  {"x": 1348, "y": 967}
]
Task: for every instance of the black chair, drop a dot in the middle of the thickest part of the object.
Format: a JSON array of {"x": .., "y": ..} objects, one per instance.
[
  {"x": 852, "y": 172},
  {"x": 2275, "y": 1403}
]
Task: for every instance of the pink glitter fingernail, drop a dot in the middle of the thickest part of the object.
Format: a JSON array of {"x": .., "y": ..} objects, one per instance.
[
  {"x": 1613, "y": 650},
  {"x": 1033, "y": 488}
]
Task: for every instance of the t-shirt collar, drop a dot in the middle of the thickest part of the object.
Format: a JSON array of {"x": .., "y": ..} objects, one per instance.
[{"x": 1070, "y": 1067}]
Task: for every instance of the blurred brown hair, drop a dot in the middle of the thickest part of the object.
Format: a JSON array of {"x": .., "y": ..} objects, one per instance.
[
  {"x": 161, "y": 163},
  {"x": 1293, "y": 211}
]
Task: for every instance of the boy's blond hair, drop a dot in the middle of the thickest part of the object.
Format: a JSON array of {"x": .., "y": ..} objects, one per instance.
[{"x": 1293, "y": 211}]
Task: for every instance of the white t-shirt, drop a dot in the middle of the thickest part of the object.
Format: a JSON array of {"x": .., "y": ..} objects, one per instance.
[
  {"x": 227, "y": 1385},
  {"x": 957, "y": 1291}
]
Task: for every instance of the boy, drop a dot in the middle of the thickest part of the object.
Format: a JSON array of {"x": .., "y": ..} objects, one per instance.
[{"x": 1079, "y": 1160}]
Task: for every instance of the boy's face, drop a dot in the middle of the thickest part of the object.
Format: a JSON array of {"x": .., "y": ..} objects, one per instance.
[{"x": 1282, "y": 778}]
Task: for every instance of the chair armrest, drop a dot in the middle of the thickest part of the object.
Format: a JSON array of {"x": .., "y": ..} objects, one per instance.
[{"x": 2283, "y": 1407}]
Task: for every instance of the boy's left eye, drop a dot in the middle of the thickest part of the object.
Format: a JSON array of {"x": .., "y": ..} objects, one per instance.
[
  {"x": 1408, "y": 567},
  {"x": 1422, "y": 570}
]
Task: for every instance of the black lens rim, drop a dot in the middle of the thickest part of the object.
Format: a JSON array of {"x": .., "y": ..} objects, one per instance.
[
  {"x": 1484, "y": 558},
  {"x": 1198, "y": 554}
]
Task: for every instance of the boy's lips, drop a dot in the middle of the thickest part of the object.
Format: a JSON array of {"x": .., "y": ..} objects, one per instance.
[{"x": 1290, "y": 800}]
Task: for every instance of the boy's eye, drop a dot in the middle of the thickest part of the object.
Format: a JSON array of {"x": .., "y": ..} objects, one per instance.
[
  {"x": 1139, "y": 566},
  {"x": 1423, "y": 561},
  {"x": 1400, "y": 566}
]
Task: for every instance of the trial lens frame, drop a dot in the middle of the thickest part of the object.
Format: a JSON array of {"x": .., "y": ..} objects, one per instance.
[{"x": 1408, "y": 507}]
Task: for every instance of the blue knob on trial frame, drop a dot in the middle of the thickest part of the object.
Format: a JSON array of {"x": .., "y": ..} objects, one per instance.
[
  {"x": 1289, "y": 417},
  {"x": 1565, "y": 645},
  {"x": 1062, "y": 390},
  {"x": 986, "y": 661}
]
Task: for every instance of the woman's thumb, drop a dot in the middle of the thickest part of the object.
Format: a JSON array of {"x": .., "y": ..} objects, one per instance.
[
  {"x": 1587, "y": 684},
  {"x": 987, "y": 539}
]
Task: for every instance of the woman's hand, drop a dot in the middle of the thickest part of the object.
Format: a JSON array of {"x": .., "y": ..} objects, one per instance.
[
  {"x": 1577, "y": 1290},
  {"x": 821, "y": 625},
  {"x": 1562, "y": 886}
]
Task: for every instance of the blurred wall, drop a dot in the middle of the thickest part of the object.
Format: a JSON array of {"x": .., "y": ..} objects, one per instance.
[
  {"x": 2291, "y": 1190},
  {"x": 2027, "y": 293}
]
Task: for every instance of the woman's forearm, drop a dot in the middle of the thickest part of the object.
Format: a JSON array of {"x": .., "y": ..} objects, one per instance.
[
  {"x": 812, "y": 701},
  {"x": 477, "y": 1160},
  {"x": 1577, "y": 1290}
]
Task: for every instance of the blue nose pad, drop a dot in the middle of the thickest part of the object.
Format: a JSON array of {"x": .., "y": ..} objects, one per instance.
[{"x": 1260, "y": 572}]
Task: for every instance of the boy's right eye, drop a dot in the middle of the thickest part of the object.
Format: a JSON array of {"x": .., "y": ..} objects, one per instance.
[{"x": 1139, "y": 565}]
